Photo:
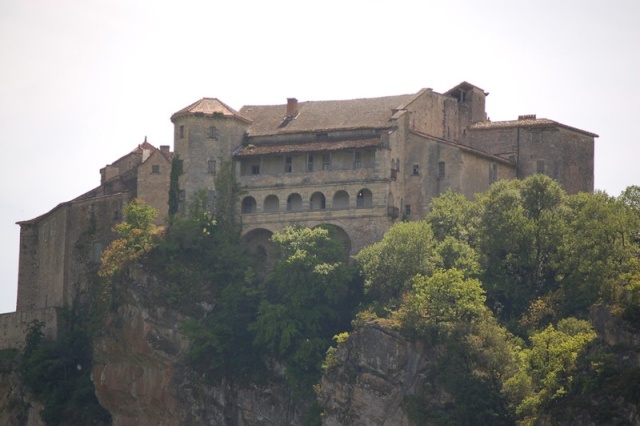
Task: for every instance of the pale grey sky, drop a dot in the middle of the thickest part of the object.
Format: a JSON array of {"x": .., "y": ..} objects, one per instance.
[{"x": 83, "y": 82}]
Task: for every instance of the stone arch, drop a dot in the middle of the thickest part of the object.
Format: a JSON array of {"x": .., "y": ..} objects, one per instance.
[
  {"x": 364, "y": 199},
  {"x": 260, "y": 247},
  {"x": 249, "y": 205},
  {"x": 317, "y": 201},
  {"x": 271, "y": 204},
  {"x": 340, "y": 200},
  {"x": 339, "y": 234},
  {"x": 294, "y": 202}
]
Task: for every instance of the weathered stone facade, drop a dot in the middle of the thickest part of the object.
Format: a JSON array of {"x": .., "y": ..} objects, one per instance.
[{"x": 356, "y": 165}]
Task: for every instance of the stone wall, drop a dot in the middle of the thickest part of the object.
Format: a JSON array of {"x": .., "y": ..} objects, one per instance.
[{"x": 14, "y": 326}]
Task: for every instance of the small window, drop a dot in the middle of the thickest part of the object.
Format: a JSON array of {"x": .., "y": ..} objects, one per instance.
[
  {"x": 116, "y": 215},
  {"x": 407, "y": 210},
  {"x": 155, "y": 169},
  {"x": 213, "y": 132},
  {"x": 357, "y": 160},
  {"x": 540, "y": 167},
  {"x": 326, "y": 161},
  {"x": 255, "y": 169},
  {"x": 416, "y": 170},
  {"x": 536, "y": 137},
  {"x": 441, "y": 170},
  {"x": 310, "y": 163},
  {"x": 493, "y": 173},
  {"x": 211, "y": 167},
  {"x": 212, "y": 201},
  {"x": 288, "y": 164},
  {"x": 181, "y": 132},
  {"x": 97, "y": 252}
]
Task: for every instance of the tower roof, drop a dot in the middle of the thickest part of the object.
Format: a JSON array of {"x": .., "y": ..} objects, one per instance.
[{"x": 210, "y": 106}]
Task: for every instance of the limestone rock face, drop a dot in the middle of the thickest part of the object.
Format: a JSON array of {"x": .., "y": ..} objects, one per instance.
[
  {"x": 142, "y": 378},
  {"x": 17, "y": 405},
  {"x": 376, "y": 369}
]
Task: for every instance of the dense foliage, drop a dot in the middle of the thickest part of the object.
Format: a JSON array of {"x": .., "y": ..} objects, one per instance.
[
  {"x": 58, "y": 372},
  {"x": 505, "y": 283}
]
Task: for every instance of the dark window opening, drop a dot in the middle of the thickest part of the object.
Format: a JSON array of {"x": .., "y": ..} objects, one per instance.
[
  {"x": 155, "y": 169},
  {"x": 407, "y": 210},
  {"x": 441, "y": 170},
  {"x": 288, "y": 164},
  {"x": 416, "y": 170},
  {"x": 310, "y": 163},
  {"x": 255, "y": 169},
  {"x": 493, "y": 173},
  {"x": 326, "y": 161},
  {"x": 181, "y": 132},
  {"x": 357, "y": 160},
  {"x": 213, "y": 132},
  {"x": 211, "y": 167}
]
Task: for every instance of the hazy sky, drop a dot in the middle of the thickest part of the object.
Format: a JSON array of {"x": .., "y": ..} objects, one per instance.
[{"x": 83, "y": 82}]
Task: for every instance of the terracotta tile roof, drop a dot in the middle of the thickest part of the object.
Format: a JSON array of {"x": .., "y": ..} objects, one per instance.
[
  {"x": 324, "y": 115},
  {"x": 528, "y": 122},
  {"x": 210, "y": 106},
  {"x": 250, "y": 151}
]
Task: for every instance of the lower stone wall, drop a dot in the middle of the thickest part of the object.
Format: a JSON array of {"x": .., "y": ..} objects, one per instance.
[{"x": 14, "y": 326}]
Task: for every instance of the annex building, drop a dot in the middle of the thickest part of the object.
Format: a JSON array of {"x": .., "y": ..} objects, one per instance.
[{"x": 356, "y": 165}]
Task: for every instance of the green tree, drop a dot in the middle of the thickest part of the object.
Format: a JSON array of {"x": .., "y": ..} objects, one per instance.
[
  {"x": 452, "y": 215},
  {"x": 309, "y": 297},
  {"x": 441, "y": 303},
  {"x": 407, "y": 249},
  {"x": 522, "y": 224},
  {"x": 551, "y": 362},
  {"x": 138, "y": 236}
]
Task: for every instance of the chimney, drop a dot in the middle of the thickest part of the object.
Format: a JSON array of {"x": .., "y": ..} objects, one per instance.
[
  {"x": 292, "y": 107},
  {"x": 165, "y": 149},
  {"x": 527, "y": 117}
]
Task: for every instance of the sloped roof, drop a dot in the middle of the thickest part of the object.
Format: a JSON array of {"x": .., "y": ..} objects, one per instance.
[
  {"x": 210, "y": 106},
  {"x": 464, "y": 86},
  {"x": 250, "y": 151},
  {"x": 528, "y": 123},
  {"x": 324, "y": 115}
]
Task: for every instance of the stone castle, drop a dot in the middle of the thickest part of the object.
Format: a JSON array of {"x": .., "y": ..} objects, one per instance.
[{"x": 357, "y": 166}]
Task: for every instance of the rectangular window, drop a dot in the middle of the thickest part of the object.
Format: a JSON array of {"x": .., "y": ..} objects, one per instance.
[
  {"x": 441, "y": 170},
  {"x": 255, "y": 169},
  {"x": 212, "y": 201},
  {"x": 213, "y": 132},
  {"x": 407, "y": 210},
  {"x": 536, "y": 137},
  {"x": 288, "y": 164},
  {"x": 326, "y": 161},
  {"x": 155, "y": 169},
  {"x": 416, "y": 170},
  {"x": 357, "y": 160},
  {"x": 211, "y": 167},
  {"x": 310, "y": 163},
  {"x": 493, "y": 173},
  {"x": 181, "y": 132},
  {"x": 97, "y": 252},
  {"x": 540, "y": 167}
]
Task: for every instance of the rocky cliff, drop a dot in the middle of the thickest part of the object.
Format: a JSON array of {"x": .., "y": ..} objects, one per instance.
[{"x": 142, "y": 377}]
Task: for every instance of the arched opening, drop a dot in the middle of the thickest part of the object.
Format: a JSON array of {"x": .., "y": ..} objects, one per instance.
[
  {"x": 294, "y": 203},
  {"x": 340, "y": 235},
  {"x": 248, "y": 205},
  {"x": 317, "y": 201},
  {"x": 341, "y": 200},
  {"x": 364, "y": 199},
  {"x": 260, "y": 247},
  {"x": 271, "y": 204}
]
